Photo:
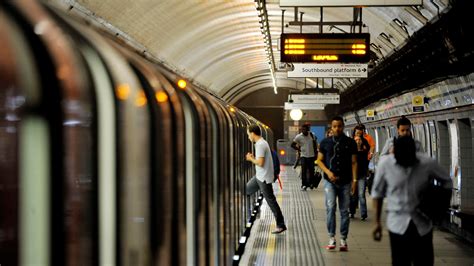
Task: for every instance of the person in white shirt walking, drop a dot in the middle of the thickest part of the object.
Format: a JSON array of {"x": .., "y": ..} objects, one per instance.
[
  {"x": 306, "y": 144},
  {"x": 402, "y": 177}
]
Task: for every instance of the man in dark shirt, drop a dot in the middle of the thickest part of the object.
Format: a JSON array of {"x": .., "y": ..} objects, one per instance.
[{"x": 337, "y": 157}]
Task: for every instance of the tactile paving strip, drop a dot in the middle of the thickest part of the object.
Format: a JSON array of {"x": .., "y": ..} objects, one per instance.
[{"x": 299, "y": 244}]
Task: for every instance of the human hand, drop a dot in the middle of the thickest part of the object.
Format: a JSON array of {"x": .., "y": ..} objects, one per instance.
[
  {"x": 353, "y": 187},
  {"x": 249, "y": 156},
  {"x": 377, "y": 233},
  {"x": 333, "y": 178}
]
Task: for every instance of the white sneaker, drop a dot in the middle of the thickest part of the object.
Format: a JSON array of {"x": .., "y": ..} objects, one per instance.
[
  {"x": 343, "y": 246},
  {"x": 332, "y": 244}
]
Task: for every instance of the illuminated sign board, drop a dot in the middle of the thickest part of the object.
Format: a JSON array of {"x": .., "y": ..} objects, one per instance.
[
  {"x": 328, "y": 70},
  {"x": 350, "y": 2},
  {"x": 325, "y": 47}
]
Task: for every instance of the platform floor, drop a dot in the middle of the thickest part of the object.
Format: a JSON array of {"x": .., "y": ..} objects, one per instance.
[{"x": 304, "y": 241}]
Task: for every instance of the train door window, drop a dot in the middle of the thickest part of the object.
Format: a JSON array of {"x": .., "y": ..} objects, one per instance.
[
  {"x": 465, "y": 163},
  {"x": 383, "y": 136},
  {"x": 421, "y": 136},
  {"x": 392, "y": 132},
  {"x": 427, "y": 139},
  {"x": 434, "y": 139},
  {"x": 454, "y": 140},
  {"x": 443, "y": 144},
  {"x": 373, "y": 133}
]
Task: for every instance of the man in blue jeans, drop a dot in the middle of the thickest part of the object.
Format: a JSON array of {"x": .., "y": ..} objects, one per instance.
[
  {"x": 337, "y": 157},
  {"x": 264, "y": 177}
]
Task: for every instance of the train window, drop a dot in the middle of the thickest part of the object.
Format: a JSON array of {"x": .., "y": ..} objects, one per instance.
[
  {"x": 427, "y": 139},
  {"x": 443, "y": 144},
  {"x": 465, "y": 141},
  {"x": 434, "y": 139},
  {"x": 454, "y": 140}
]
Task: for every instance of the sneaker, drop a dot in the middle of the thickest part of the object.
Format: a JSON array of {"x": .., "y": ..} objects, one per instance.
[
  {"x": 332, "y": 244},
  {"x": 343, "y": 246},
  {"x": 303, "y": 188},
  {"x": 363, "y": 218},
  {"x": 279, "y": 230}
]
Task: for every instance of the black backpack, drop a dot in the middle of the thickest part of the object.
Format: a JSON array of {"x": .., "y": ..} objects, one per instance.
[
  {"x": 435, "y": 201},
  {"x": 276, "y": 165}
]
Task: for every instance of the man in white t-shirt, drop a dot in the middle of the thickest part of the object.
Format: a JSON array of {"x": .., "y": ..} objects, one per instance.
[
  {"x": 305, "y": 143},
  {"x": 263, "y": 178}
]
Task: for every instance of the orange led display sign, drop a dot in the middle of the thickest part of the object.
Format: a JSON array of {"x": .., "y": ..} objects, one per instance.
[{"x": 325, "y": 47}]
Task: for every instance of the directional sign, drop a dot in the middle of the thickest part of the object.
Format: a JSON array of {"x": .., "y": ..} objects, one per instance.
[
  {"x": 304, "y": 106},
  {"x": 329, "y": 71},
  {"x": 316, "y": 98}
]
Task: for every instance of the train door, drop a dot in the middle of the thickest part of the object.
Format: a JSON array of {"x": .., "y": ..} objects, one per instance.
[{"x": 465, "y": 164}]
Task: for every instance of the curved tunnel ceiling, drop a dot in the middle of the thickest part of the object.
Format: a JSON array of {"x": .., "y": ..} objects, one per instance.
[{"x": 219, "y": 45}]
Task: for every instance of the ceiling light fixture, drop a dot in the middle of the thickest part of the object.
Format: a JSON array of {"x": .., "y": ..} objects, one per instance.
[{"x": 260, "y": 5}]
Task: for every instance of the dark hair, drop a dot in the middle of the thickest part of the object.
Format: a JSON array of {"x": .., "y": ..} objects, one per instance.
[
  {"x": 306, "y": 125},
  {"x": 255, "y": 129},
  {"x": 338, "y": 118},
  {"x": 404, "y": 149},
  {"x": 358, "y": 127},
  {"x": 403, "y": 121}
]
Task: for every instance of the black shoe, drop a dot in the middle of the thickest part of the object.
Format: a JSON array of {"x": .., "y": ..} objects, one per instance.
[
  {"x": 279, "y": 230},
  {"x": 352, "y": 216}
]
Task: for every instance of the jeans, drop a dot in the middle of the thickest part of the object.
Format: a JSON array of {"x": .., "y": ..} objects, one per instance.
[
  {"x": 307, "y": 171},
  {"x": 411, "y": 247},
  {"x": 267, "y": 189},
  {"x": 360, "y": 196},
  {"x": 343, "y": 194}
]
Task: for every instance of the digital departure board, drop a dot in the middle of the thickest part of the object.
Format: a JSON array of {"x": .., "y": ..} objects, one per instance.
[{"x": 325, "y": 47}]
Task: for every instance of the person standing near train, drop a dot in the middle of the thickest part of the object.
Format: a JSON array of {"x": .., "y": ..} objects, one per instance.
[
  {"x": 403, "y": 129},
  {"x": 264, "y": 176}
]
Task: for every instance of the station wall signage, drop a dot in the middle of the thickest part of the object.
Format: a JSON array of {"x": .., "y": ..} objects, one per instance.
[
  {"x": 329, "y": 71},
  {"x": 370, "y": 114},
  {"x": 303, "y": 106},
  {"x": 418, "y": 103},
  {"x": 316, "y": 98},
  {"x": 324, "y": 3}
]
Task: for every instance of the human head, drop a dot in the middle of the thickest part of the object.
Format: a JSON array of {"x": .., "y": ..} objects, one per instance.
[
  {"x": 404, "y": 150},
  {"x": 358, "y": 139},
  {"x": 329, "y": 133},
  {"x": 337, "y": 125},
  {"x": 305, "y": 129},
  {"x": 403, "y": 126},
  {"x": 358, "y": 131},
  {"x": 253, "y": 132}
]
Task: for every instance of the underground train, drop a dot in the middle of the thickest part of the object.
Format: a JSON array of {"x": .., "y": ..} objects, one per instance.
[{"x": 105, "y": 158}]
